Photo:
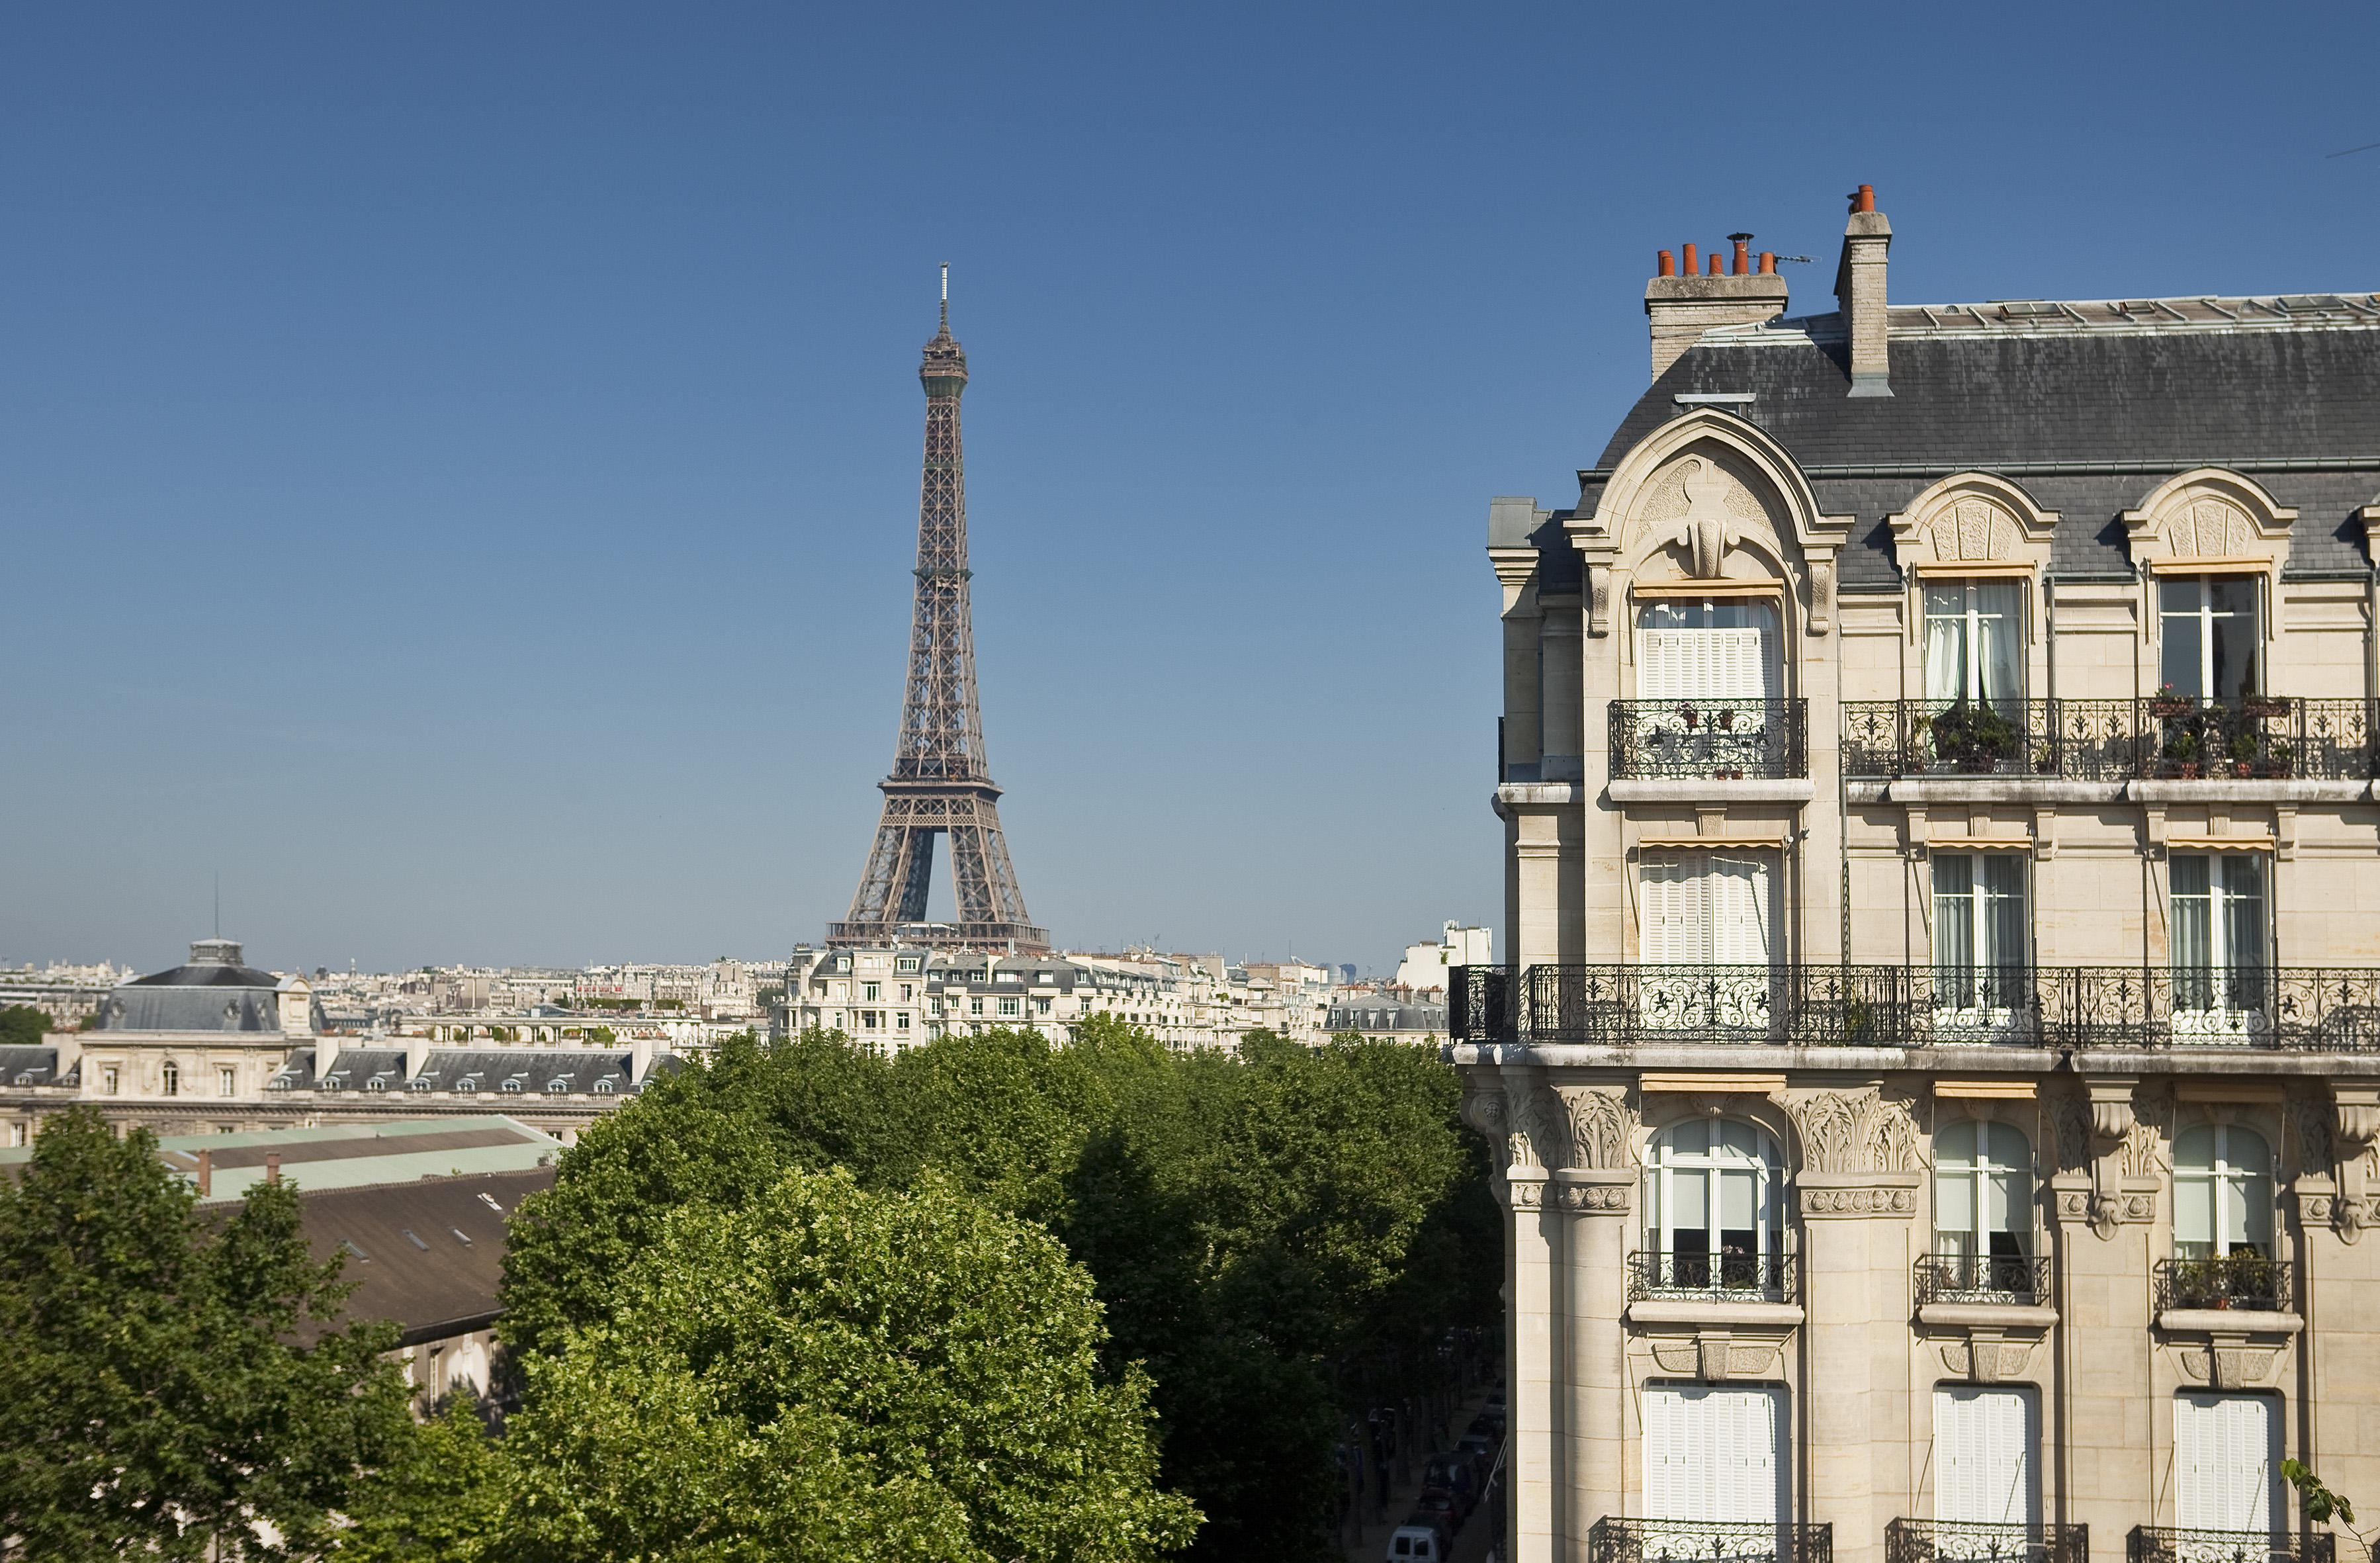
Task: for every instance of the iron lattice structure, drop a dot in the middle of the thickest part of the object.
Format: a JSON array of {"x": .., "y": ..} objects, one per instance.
[{"x": 941, "y": 785}]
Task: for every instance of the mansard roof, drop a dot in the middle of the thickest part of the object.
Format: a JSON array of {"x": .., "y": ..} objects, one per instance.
[{"x": 2088, "y": 405}]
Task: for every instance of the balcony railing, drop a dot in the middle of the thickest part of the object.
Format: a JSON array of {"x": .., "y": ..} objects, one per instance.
[
  {"x": 2160, "y": 737},
  {"x": 1614, "y": 1540},
  {"x": 1980, "y": 1277},
  {"x": 2322, "y": 1009},
  {"x": 1957, "y": 1541},
  {"x": 2166, "y": 1544},
  {"x": 1720, "y": 740},
  {"x": 2248, "y": 1281},
  {"x": 1714, "y": 1278}
]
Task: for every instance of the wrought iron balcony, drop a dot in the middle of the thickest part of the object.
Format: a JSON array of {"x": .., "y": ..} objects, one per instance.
[
  {"x": 2161, "y": 737},
  {"x": 1980, "y": 1277},
  {"x": 1615, "y": 1539},
  {"x": 1720, "y": 740},
  {"x": 2168, "y": 1544},
  {"x": 2321, "y": 1008},
  {"x": 1957, "y": 1541},
  {"x": 2248, "y": 1281},
  {"x": 1714, "y": 1278}
]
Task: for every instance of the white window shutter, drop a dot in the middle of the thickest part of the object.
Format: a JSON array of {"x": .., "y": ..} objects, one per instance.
[{"x": 2223, "y": 1462}]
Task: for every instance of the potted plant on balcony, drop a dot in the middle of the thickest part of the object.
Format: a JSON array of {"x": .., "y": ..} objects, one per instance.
[
  {"x": 2181, "y": 754},
  {"x": 2265, "y": 708},
  {"x": 2169, "y": 702},
  {"x": 1973, "y": 738},
  {"x": 2243, "y": 753},
  {"x": 2279, "y": 757}
]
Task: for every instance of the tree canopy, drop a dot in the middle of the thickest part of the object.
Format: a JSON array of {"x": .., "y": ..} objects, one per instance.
[
  {"x": 22, "y": 1026},
  {"x": 1276, "y": 1238},
  {"x": 172, "y": 1375}
]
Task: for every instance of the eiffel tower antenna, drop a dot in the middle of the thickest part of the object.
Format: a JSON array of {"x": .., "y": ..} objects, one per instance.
[{"x": 941, "y": 785}]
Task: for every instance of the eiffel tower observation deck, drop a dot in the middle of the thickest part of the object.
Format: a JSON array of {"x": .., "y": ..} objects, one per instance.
[{"x": 941, "y": 785}]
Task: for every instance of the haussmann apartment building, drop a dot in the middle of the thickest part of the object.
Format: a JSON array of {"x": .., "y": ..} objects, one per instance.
[{"x": 1935, "y": 1078}]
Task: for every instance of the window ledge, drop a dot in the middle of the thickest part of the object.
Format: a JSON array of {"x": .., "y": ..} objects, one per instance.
[
  {"x": 1987, "y": 1315},
  {"x": 2229, "y": 1321},
  {"x": 1700, "y": 788},
  {"x": 2250, "y": 790},
  {"x": 1685, "y": 1311}
]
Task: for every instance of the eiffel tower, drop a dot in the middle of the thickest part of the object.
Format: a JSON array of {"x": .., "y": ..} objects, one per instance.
[{"x": 939, "y": 783}]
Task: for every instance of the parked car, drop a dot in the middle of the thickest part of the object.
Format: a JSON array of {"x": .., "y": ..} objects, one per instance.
[
  {"x": 1481, "y": 1446},
  {"x": 1437, "y": 1503},
  {"x": 1458, "y": 1473},
  {"x": 1419, "y": 1539}
]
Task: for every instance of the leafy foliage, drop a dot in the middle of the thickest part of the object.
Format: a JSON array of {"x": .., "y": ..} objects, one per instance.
[
  {"x": 830, "y": 1372},
  {"x": 22, "y": 1026},
  {"x": 153, "y": 1393},
  {"x": 1275, "y": 1238},
  {"x": 440, "y": 1498}
]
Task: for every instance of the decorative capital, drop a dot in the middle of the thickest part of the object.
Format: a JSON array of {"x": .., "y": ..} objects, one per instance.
[
  {"x": 1602, "y": 1127},
  {"x": 1856, "y": 1131}
]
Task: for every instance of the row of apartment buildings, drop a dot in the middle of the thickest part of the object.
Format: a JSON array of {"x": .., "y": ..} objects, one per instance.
[{"x": 1935, "y": 1080}]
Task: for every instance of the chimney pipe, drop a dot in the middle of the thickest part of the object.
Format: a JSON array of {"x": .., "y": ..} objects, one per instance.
[
  {"x": 1669, "y": 265},
  {"x": 1861, "y": 293},
  {"x": 1714, "y": 268},
  {"x": 206, "y": 1173},
  {"x": 1682, "y": 300},
  {"x": 1694, "y": 260},
  {"x": 1768, "y": 263},
  {"x": 272, "y": 1166},
  {"x": 1742, "y": 264}
]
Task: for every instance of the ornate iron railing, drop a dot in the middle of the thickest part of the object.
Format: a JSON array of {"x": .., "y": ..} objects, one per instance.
[
  {"x": 1714, "y": 1278},
  {"x": 1716, "y": 739},
  {"x": 1980, "y": 1277},
  {"x": 2168, "y": 1544},
  {"x": 1479, "y": 1003},
  {"x": 1614, "y": 1540},
  {"x": 2322, "y": 1009},
  {"x": 2249, "y": 1281},
  {"x": 1956, "y": 1541},
  {"x": 2161, "y": 737}
]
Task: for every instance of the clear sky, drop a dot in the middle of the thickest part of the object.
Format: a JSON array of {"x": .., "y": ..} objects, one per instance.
[{"x": 458, "y": 463}]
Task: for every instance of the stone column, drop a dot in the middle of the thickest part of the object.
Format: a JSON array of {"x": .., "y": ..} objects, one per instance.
[
  {"x": 1857, "y": 1188},
  {"x": 1521, "y": 1121},
  {"x": 1565, "y": 712},
  {"x": 1597, "y": 1194}
]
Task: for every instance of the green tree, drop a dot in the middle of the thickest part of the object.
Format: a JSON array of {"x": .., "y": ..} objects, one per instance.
[
  {"x": 154, "y": 1395},
  {"x": 440, "y": 1498},
  {"x": 22, "y": 1026},
  {"x": 830, "y": 1371}
]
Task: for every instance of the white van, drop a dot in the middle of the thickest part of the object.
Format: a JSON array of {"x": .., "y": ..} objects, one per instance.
[{"x": 1415, "y": 1543}]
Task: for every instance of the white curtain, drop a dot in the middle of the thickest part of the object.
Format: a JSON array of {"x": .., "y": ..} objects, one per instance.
[{"x": 1946, "y": 643}]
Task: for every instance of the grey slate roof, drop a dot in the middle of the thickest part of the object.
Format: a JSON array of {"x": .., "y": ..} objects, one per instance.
[
  {"x": 499, "y": 1071},
  {"x": 28, "y": 1066},
  {"x": 2151, "y": 400},
  {"x": 213, "y": 991}
]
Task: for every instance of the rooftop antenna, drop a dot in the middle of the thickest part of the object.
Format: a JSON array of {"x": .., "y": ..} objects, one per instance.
[
  {"x": 2350, "y": 152},
  {"x": 219, "y": 904},
  {"x": 946, "y": 296}
]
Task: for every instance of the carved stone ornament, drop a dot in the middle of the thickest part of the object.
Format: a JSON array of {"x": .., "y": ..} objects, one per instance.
[
  {"x": 2105, "y": 1212},
  {"x": 1598, "y": 601},
  {"x": 2209, "y": 527},
  {"x": 2070, "y": 1120},
  {"x": 1971, "y": 529},
  {"x": 1594, "y": 1199},
  {"x": 1484, "y": 1110},
  {"x": 1822, "y": 593},
  {"x": 2310, "y": 1129},
  {"x": 2226, "y": 1367},
  {"x": 1539, "y": 1137},
  {"x": 1856, "y": 1131},
  {"x": 1601, "y": 1127},
  {"x": 1859, "y": 1202},
  {"x": 1528, "y": 1193},
  {"x": 1985, "y": 1359},
  {"x": 1714, "y": 1354}
]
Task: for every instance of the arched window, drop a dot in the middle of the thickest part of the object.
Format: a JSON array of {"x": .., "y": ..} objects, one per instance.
[
  {"x": 2222, "y": 1193},
  {"x": 173, "y": 1078},
  {"x": 1712, "y": 1188},
  {"x": 1983, "y": 1205}
]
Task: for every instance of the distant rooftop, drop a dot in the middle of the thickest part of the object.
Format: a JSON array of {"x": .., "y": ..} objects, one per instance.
[{"x": 349, "y": 1155}]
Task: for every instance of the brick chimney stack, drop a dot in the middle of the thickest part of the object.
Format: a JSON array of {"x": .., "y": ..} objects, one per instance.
[
  {"x": 1682, "y": 305},
  {"x": 1860, "y": 291}
]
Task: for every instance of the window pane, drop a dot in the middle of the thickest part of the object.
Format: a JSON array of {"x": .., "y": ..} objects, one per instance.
[
  {"x": 1995, "y": 624},
  {"x": 2004, "y": 1203},
  {"x": 2232, "y": 600},
  {"x": 1689, "y": 1201},
  {"x": 1954, "y": 1203},
  {"x": 2003, "y": 924},
  {"x": 1735, "y": 1191},
  {"x": 1954, "y": 921},
  {"x": 2193, "y": 1217},
  {"x": 1691, "y": 1138},
  {"x": 2256, "y": 1212},
  {"x": 2231, "y": 1195},
  {"x": 1955, "y": 1145},
  {"x": 2194, "y": 1150},
  {"x": 2179, "y": 663}
]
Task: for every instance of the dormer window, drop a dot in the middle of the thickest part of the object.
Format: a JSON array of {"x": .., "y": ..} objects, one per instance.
[
  {"x": 466, "y": 1086},
  {"x": 557, "y": 1087},
  {"x": 417, "y": 1084},
  {"x": 605, "y": 1086},
  {"x": 2211, "y": 644},
  {"x": 1971, "y": 642},
  {"x": 376, "y": 1083},
  {"x": 514, "y": 1084}
]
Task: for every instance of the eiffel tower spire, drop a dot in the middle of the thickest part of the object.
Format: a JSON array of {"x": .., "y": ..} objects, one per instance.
[{"x": 941, "y": 785}]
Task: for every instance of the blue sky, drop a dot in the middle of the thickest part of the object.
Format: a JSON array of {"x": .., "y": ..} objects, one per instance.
[{"x": 458, "y": 464}]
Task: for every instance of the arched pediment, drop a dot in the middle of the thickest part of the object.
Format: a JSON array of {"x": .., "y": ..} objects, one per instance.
[
  {"x": 2209, "y": 514},
  {"x": 1709, "y": 496},
  {"x": 1972, "y": 518}
]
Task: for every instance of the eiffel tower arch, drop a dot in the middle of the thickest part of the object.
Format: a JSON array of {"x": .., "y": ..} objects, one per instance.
[{"x": 941, "y": 785}]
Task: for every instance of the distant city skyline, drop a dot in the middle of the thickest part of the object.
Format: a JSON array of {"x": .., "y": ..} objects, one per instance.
[{"x": 459, "y": 469}]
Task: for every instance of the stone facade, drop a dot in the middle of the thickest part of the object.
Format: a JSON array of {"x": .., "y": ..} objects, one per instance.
[{"x": 1943, "y": 891}]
